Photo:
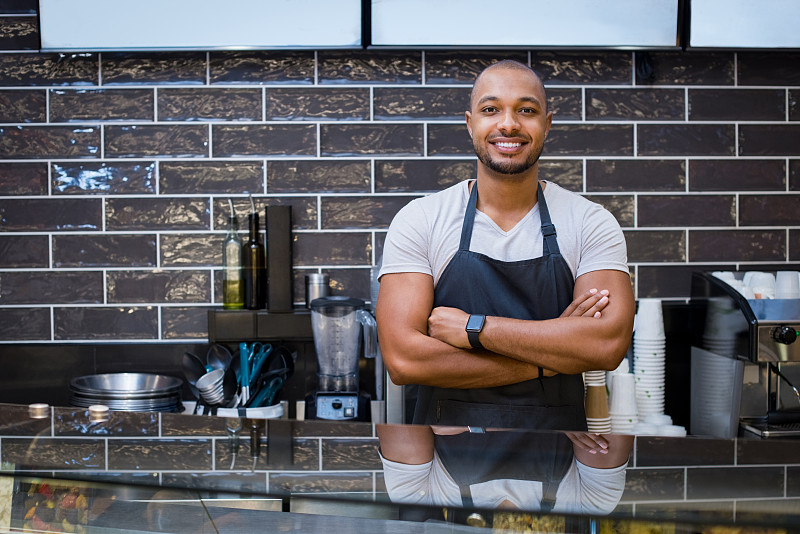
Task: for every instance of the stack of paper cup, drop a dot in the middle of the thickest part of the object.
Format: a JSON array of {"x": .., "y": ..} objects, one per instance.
[
  {"x": 787, "y": 285},
  {"x": 597, "y": 417},
  {"x": 622, "y": 408},
  {"x": 723, "y": 324},
  {"x": 649, "y": 357}
]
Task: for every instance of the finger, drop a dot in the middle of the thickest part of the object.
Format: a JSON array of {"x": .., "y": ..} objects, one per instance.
[{"x": 573, "y": 306}]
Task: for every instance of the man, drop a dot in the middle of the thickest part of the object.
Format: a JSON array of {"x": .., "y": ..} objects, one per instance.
[{"x": 537, "y": 274}]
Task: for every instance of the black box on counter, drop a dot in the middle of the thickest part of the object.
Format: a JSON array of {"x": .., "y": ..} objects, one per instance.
[{"x": 280, "y": 293}]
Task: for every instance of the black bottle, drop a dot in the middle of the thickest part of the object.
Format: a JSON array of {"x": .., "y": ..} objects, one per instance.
[{"x": 255, "y": 273}]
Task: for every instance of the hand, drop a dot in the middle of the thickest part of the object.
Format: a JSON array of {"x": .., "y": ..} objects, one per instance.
[
  {"x": 590, "y": 304},
  {"x": 591, "y": 443},
  {"x": 449, "y": 325}
]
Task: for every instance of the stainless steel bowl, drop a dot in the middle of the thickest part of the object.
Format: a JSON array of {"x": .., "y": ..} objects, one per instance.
[{"x": 128, "y": 391}]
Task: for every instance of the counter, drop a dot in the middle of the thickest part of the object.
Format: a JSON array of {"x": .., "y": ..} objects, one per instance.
[{"x": 165, "y": 472}]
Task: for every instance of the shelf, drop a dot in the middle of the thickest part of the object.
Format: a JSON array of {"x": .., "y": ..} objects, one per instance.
[{"x": 251, "y": 325}]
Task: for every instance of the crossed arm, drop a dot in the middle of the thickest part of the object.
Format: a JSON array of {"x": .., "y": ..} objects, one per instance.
[{"x": 423, "y": 345}]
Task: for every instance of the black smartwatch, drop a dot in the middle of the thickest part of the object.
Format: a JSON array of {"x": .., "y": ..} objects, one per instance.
[{"x": 474, "y": 327}]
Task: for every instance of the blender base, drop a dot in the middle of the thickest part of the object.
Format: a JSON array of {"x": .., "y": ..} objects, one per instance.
[{"x": 338, "y": 406}]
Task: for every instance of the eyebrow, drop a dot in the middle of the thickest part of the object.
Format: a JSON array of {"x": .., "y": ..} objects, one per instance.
[{"x": 490, "y": 98}]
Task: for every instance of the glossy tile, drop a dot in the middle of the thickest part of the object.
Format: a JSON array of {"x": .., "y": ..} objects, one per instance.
[
  {"x": 420, "y": 103},
  {"x": 47, "y": 70},
  {"x": 61, "y": 287},
  {"x": 350, "y": 454},
  {"x": 184, "y": 323},
  {"x": 166, "y": 454},
  {"x": 739, "y": 175},
  {"x": 105, "y": 323},
  {"x": 77, "y": 105},
  {"x": 768, "y": 140},
  {"x": 157, "y": 214},
  {"x": 156, "y": 141},
  {"x": 191, "y": 250},
  {"x": 54, "y": 453},
  {"x": 332, "y": 248},
  {"x": 794, "y": 245},
  {"x": 306, "y": 483},
  {"x": 371, "y": 139},
  {"x": 454, "y": 66},
  {"x": 19, "y": 33},
  {"x": 21, "y": 251},
  {"x": 318, "y": 176},
  {"x": 758, "y": 210},
  {"x": 449, "y": 140},
  {"x": 767, "y": 68},
  {"x": 566, "y": 104},
  {"x": 683, "y": 139},
  {"x": 158, "y": 286},
  {"x": 421, "y": 175},
  {"x": 635, "y": 104},
  {"x": 654, "y": 484},
  {"x": 653, "y": 451},
  {"x": 622, "y": 207},
  {"x": 705, "y": 210},
  {"x": 49, "y": 142},
  {"x": 25, "y": 324},
  {"x": 264, "y": 140},
  {"x": 103, "y": 178},
  {"x": 23, "y": 105},
  {"x": 209, "y": 104},
  {"x": 364, "y": 67},
  {"x": 700, "y": 68},
  {"x": 560, "y": 68},
  {"x": 23, "y": 178},
  {"x": 261, "y": 67},
  {"x": 734, "y": 482},
  {"x": 304, "y": 210},
  {"x": 737, "y": 104},
  {"x": 589, "y": 140},
  {"x": 139, "y": 68},
  {"x": 566, "y": 173},
  {"x": 650, "y": 247},
  {"x": 303, "y": 104},
  {"x": 45, "y": 214},
  {"x": 104, "y": 251},
  {"x": 210, "y": 177},
  {"x": 76, "y": 422},
  {"x": 749, "y": 453},
  {"x": 635, "y": 175},
  {"x": 360, "y": 212},
  {"x": 737, "y": 245}
]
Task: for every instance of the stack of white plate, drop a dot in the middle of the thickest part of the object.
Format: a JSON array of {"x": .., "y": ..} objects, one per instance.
[
  {"x": 597, "y": 416},
  {"x": 649, "y": 357}
]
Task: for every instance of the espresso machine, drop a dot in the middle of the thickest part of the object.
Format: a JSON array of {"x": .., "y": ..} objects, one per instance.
[
  {"x": 746, "y": 363},
  {"x": 339, "y": 325}
]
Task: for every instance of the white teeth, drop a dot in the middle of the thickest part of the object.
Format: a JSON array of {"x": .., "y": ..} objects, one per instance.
[{"x": 509, "y": 145}]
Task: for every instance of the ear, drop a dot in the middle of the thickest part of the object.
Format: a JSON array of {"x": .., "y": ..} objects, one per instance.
[
  {"x": 468, "y": 117},
  {"x": 549, "y": 123}
]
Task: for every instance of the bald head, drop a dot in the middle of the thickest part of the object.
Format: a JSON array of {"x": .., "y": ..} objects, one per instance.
[{"x": 506, "y": 64}]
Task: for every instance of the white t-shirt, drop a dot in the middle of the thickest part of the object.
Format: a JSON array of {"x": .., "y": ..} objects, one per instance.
[
  {"x": 583, "y": 490},
  {"x": 425, "y": 234}
]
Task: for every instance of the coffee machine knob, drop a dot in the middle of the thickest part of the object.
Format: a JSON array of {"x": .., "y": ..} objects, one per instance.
[{"x": 784, "y": 334}]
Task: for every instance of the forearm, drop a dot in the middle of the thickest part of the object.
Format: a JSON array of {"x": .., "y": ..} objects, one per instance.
[
  {"x": 420, "y": 359},
  {"x": 567, "y": 345}
]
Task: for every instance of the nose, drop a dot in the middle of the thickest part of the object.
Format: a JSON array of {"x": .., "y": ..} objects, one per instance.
[{"x": 508, "y": 122}]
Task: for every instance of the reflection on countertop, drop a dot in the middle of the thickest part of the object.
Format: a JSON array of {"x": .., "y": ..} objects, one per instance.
[{"x": 245, "y": 467}]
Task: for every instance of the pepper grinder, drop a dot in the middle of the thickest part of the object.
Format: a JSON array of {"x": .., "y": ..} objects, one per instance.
[{"x": 255, "y": 273}]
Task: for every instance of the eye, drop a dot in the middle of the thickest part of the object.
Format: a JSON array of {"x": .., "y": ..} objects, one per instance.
[
  {"x": 527, "y": 111},
  {"x": 488, "y": 109}
]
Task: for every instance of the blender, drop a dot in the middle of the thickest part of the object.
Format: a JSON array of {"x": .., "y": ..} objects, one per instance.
[{"x": 338, "y": 324}]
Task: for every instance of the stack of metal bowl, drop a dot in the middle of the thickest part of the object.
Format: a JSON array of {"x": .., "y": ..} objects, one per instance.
[{"x": 128, "y": 392}]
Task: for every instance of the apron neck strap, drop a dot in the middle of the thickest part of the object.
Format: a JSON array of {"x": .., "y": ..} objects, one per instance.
[{"x": 548, "y": 229}]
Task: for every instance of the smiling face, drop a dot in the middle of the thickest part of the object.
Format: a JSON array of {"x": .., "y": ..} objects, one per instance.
[{"x": 508, "y": 119}]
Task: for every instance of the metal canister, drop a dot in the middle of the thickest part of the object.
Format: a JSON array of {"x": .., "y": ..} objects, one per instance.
[{"x": 317, "y": 286}]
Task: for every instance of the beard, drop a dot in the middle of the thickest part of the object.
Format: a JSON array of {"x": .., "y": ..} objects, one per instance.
[{"x": 507, "y": 165}]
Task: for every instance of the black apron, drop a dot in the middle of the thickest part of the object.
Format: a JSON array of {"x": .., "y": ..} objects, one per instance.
[
  {"x": 471, "y": 458},
  {"x": 533, "y": 289}
]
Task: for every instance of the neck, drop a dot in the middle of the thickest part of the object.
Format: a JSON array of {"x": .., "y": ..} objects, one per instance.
[{"x": 507, "y": 198}]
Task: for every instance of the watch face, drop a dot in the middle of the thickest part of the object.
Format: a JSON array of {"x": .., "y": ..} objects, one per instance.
[{"x": 475, "y": 323}]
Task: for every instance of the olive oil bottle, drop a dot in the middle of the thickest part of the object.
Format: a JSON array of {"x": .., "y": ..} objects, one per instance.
[
  {"x": 232, "y": 275},
  {"x": 254, "y": 262}
]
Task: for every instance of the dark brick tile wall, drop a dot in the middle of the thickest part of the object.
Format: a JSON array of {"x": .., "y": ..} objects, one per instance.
[{"x": 116, "y": 168}]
